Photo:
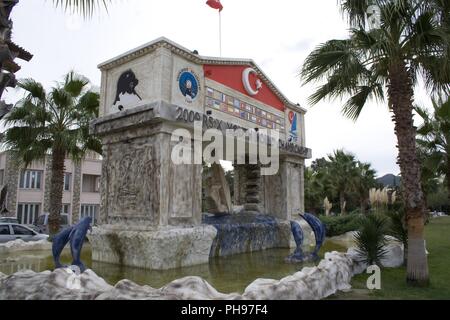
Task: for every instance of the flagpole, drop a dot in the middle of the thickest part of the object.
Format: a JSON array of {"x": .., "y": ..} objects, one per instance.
[{"x": 220, "y": 33}]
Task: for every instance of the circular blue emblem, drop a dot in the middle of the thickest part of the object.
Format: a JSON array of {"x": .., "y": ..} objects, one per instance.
[{"x": 188, "y": 85}]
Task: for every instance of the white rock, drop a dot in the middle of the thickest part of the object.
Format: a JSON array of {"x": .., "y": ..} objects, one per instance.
[
  {"x": 358, "y": 266},
  {"x": 20, "y": 245},
  {"x": 194, "y": 288},
  {"x": 393, "y": 257},
  {"x": 346, "y": 240},
  {"x": 60, "y": 284},
  {"x": 334, "y": 273}
]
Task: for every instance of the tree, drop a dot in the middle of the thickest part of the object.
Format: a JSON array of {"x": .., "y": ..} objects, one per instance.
[
  {"x": 314, "y": 190},
  {"x": 56, "y": 122},
  {"x": 434, "y": 140},
  {"x": 364, "y": 181},
  {"x": 340, "y": 178},
  {"x": 343, "y": 174},
  {"x": 412, "y": 41}
]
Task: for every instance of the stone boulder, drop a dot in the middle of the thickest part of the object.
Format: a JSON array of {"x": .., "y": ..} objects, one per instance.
[
  {"x": 333, "y": 274},
  {"x": 394, "y": 256},
  {"x": 346, "y": 240},
  {"x": 61, "y": 284},
  {"x": 392, "y": 259}
]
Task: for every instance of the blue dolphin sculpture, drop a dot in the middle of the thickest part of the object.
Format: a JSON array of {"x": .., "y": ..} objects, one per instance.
[
  {"x": 298, "y": 254},
  {"x": 76, "y": 235},
  {"x": 319, "y": 233}
]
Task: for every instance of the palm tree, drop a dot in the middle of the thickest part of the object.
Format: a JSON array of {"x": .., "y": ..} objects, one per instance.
[
  {"x": 364, "y": 181},
  {"x": 56, "y": 122},
  {"x": 314, "y": 190},
  {"x": 342, "y": 170},
  {"x": 412, "y": 41},
  {"x": 434, "y": 138},
  {"x": 84, "y": 7}
]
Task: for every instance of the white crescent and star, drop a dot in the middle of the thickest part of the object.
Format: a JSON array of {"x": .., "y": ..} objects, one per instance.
[{"x": 246, "y": 81}]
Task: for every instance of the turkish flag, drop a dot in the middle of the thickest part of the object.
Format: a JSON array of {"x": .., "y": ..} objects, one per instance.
[{"x": 215, "y": 4}]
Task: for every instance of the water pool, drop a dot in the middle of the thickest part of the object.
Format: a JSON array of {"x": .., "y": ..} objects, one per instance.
[{"x": 226, "y": 274}]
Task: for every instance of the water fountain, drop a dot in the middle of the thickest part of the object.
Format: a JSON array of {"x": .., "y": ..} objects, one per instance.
[{"x": 162, "y": 98}]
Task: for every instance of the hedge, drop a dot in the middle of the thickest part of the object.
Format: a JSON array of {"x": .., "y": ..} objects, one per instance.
[{"x": 341, "y": 224}]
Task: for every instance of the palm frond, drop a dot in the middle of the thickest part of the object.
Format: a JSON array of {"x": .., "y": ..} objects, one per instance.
[
  {"x": 33, "y": 89},
  {"x": 75, "y": 84},
  {"x": 85, "y": 8},
  {"x": 354, "y": 106},
  {"x": 370, "y": 239}
]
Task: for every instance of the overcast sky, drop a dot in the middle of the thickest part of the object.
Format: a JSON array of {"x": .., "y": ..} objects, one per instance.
[{"x": 278, "y": 35}]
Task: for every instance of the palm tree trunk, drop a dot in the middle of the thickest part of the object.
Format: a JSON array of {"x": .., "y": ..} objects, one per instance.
[
  {"x": 448, "y": 176},
  {"x": 363, "y": 205},
  {"x": 342, "y": 202},
  {"x": 56, "y": 190},
  {"x": 400, "y": 91}
]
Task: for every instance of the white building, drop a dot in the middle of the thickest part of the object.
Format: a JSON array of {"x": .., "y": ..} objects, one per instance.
[{"x": 29, "y": 193}]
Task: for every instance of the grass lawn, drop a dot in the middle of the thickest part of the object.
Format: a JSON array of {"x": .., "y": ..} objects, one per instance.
[{"x": 393, "y": 283}]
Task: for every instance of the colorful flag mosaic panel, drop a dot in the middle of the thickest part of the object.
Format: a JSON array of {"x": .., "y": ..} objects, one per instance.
[{"x": 233, "y": 106}]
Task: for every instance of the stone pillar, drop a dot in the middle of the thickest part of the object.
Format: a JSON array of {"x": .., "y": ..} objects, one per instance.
[
  {"x": 253, "y": 189},
  {"x": 150, "y": 207},
  {"x": 11, "y": 178},
  {"x": 76, "y": 192},
  {"x": 284, "y": 192}
]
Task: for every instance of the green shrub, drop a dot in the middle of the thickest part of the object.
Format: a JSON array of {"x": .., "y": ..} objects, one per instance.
[
  {"x": 339, "y": 225},
  {"x": 370, "y": 238},
  {"x": 398, "y": 229}
]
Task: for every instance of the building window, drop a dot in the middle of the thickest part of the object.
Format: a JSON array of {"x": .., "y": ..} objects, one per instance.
[
  {"x": 30, "y": 179},
  {"x": 91, "y": 183},
  {"x": 89, "y": 210},
  {"x": 27, "y": 213},
  {"x": 2, "y": 173},
  {"x": 65, "y": 213},
  {"x": 67, "y": 181}
]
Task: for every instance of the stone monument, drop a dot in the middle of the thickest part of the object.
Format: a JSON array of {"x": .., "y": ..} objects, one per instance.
[{"x": 150, "y": 212}]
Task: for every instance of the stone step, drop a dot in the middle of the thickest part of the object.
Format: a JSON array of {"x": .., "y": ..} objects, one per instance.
[
  {"x": 252, "y": 207},
  {"x": 253, "y": 199}
]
